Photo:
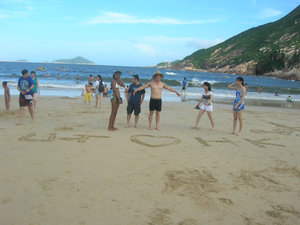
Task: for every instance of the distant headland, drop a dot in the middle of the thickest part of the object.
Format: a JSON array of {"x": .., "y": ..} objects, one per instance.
[{"x": 76, "y": 60}]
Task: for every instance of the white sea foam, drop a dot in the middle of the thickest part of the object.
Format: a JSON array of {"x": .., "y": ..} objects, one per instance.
[{"x": 171, "y": 73}]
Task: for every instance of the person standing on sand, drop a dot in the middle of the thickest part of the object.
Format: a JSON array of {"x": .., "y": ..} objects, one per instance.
[
  {"x": 184, "y": 85},
  {"x": 116, "y": 99},
  {"x": 91, "y": 79},
  {"x": 36, "y": 89},
  {"x": 99, "y": 89},
  {"x": 134, "y": 101},
  {"x": 239, "y": 103},
  {"x": 6, "y": 95},
  {"x": 88, "y": 93},
  {"x": 206, "y": 105},
  {"x": 155, "y": 103},
  {"x": 25, "y": 86}
]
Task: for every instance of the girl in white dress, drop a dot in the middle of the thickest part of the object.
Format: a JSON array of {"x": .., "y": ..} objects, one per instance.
[{"x": 206, "y": 105}]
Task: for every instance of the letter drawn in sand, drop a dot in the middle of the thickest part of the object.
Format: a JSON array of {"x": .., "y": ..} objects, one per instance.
[
  {"x": 81, "y": 138},
  {"x": 225, "y": 140},
  {"x": 144, "y": 139},
  {"x": 262, "y": 142},
  {"x": 206, "y": 143},
  {"x": 28, "y": 137},
  {"x": 202, "y": 141}
]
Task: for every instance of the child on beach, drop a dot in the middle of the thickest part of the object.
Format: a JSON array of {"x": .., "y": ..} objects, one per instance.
[
  {"x": 239, "y": 103},
  {"x": 36, "y": 89},
  {"x": 88, "y": 93},
  {"x": 6, "y": 95},
  {"x": 206, "y": 105}
]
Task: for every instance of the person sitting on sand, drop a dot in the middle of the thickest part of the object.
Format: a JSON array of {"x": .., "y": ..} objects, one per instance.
[
  {"x": 155, "y": 103},
  {"x": 239, "y": 103},
  {"x": 116, "y": 99},
  {"x": 206, "y": 105},
  {"x": 25, "y": 86},
  {"x": 88, "y": 93},
  {"x": 6, "y": 95},
  {"x": 134, "y": 101}
]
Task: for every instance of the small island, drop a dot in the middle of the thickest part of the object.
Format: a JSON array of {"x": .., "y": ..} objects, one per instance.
[{"x": 76, "y": 60}]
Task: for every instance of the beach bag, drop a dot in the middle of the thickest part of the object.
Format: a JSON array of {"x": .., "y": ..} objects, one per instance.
[{"x": 101, "y": 87}]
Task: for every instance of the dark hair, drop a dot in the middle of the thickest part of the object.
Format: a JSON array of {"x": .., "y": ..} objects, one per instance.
[
  {"x": 91, "y": 75},
  {"x": 184, "y": 78},
  {"x": 90, "y": 83},
  {"x": 137, "y": 77},
  {"x": 99, "y": 76},
  {"x": 240, "y": 79},
  {"x": 24, "y": 71},
  {"x": 208, "y": 85},
  {"x": 33, "y": 72},
  {"x": 4, "y": 83},
  {"x": 117, "y": 73}
]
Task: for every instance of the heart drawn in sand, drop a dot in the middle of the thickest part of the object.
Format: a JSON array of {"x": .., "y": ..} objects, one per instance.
[{"x": 154, "y": 141}]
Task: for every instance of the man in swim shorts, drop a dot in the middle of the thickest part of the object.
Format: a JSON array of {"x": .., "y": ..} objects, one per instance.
[
  {"x": 134, "y": 101},
  {"x": 155, "y": 103},
  {"x": 25, "y": 86}
]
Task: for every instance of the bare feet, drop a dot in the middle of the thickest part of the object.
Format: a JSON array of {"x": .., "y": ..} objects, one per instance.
[
  {"x": 112, "y": 129},
  {"x": 157, "y": 128},
  {"x": 212, "y": 128},
  {"x": 135, "y": 126},
  {"x": 150, "y": 128},
  {"x": 18, "y": 123},
  {"x": 239, "y": 133},
  {"x": 232, "y": 132},
  {"x": 127, "y": 126},
  {"x": 194, "y": 127}
]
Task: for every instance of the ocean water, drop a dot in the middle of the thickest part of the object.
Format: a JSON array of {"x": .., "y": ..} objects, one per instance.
[{"x": 68, "y": 86}]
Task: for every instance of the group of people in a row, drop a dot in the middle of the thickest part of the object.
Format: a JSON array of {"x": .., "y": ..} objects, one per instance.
[
  {"x": 136, "y": 95},
  {"x": 28, "y": 87}
]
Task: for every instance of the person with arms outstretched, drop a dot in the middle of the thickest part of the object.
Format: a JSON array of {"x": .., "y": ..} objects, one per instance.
[{"x": 155, "y": 103}]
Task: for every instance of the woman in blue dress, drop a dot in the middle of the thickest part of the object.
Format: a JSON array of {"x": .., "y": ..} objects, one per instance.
[{"x": 238, "y": 104}]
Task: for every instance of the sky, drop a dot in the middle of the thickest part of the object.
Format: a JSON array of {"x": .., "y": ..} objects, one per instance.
[{"x": 126, "y": 32}]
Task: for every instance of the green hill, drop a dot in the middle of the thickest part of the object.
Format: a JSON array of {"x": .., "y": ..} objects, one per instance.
[
  {"x": 76, "y": 60},
  {"x": 271, "y": 49}
]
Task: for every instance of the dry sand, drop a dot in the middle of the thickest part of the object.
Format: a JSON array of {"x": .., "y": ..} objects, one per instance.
[{"x": 66, "y": 168}]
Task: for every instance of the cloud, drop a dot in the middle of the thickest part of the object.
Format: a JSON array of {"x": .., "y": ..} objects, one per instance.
[
  {"x": 122, "y": 18},
  {"x": 268, "y": 13},
  {"x": 146, "y": 49}
]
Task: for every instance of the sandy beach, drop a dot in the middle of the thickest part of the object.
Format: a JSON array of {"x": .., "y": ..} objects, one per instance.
[{"x": 66, "y": 168}]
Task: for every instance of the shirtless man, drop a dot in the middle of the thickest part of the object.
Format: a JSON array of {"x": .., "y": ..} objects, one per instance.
[{"x": 155, "y": 100}]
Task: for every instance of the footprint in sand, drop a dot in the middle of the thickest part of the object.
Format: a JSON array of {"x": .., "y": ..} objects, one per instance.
[
  {"x": 225, "y": 201},
  {"x": 194, "y": 184},
  {"x": 28, "y": 137},
  {"x": 261, "y": 179},
  {"x": 163, "y": 217},
  {"x": 154, "y": 141},
  {"x": 6, "y": 200},
  {"x": 64, "y": 128}
]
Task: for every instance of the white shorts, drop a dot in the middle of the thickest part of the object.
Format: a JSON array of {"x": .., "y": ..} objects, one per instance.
[
  {"x": 207, "y": 108},
  {"x": 97, "y": 92}
]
